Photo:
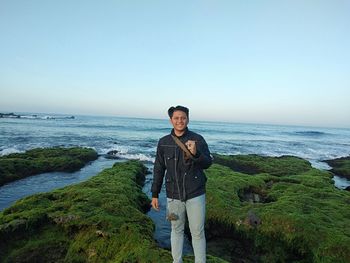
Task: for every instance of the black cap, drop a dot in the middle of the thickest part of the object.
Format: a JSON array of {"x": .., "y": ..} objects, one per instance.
[{"x": 178, "y": 107}]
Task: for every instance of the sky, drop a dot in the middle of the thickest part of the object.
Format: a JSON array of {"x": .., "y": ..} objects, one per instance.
[{"x": 276, "y": 62}]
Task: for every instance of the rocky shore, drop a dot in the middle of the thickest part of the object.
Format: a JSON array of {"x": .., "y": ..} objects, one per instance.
[
  {"x": 275, "y": 209},
  {"x": 259, "y": 209},
  {"x": 41, "y": 160},
  {"x": 340, "y": 166},
  {"x": 33, "y": 116},
  {"x": 100, "y": 220},
  {"x": 9, "y": 115}
]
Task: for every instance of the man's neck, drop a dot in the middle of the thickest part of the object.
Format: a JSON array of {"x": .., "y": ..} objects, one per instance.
[{"x": 179, "y": 133}]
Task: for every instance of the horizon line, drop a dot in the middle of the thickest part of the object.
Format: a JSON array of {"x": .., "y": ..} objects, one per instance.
[{"x": 195, "y": 120}]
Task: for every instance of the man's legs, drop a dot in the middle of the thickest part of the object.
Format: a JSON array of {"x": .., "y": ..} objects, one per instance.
[
  {"x": 195, "y": 208},
  {"x": 177, "y": 228}
]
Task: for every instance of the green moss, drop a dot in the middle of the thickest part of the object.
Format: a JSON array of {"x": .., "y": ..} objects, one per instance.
[
  {"x": 254, "y": 164},
  {"x": 341, "y": 166},
  {"x": 41, "y": 160},
  {"x": 100, "y": 220},
  {"x": 299, "y": 216},
  {"x": 294, "y": 215}
]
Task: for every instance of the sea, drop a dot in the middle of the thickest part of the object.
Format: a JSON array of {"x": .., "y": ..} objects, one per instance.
[{"x": 136, "y": 139}]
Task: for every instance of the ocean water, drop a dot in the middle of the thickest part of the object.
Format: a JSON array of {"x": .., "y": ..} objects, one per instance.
[{"x": 135, "y": 138}]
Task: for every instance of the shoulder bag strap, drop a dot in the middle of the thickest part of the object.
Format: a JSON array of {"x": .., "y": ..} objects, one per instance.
[{"x": 182, "y": 146}]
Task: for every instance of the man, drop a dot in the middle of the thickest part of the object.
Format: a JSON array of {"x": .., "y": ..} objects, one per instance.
[{"x": 185, "y": 181}]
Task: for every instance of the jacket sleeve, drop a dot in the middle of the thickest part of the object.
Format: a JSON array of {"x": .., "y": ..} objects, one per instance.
[
  {"x": 158, "y": 172},
  {"x": 203, "y": 157}
]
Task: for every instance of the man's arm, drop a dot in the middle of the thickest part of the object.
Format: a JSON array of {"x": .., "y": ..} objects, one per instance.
[{"x": 158, "y": 173}]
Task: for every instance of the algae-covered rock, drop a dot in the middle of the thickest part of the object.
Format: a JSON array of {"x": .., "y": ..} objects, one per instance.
[
  {"x": 100, "y": 220},
  {"x": 41, "y": 160},
  {"x": 254, "y": 164},
  {"x": 300, "y": 217},
  {"x": 340, "y": 166}
]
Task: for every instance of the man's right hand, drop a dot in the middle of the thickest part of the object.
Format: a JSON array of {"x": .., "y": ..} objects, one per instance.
[{"x": 155, "y": 203}]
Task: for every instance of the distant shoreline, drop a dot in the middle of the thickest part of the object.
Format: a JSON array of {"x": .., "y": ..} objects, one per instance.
[{"x": 12, "y": 115}]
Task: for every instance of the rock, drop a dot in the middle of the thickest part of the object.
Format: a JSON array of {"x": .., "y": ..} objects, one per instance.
[
  {"x": 287, "y": 223},
  {"x": 91, "y": 253},
  {"x": 64, "y": 219},
  {"x": 13, "y": 225},
  {"x": 110, "y": 227},
  {"x": 252, "y": 219},
  {"x": 100, "y": 233},
  {"x": 252, "y": 196},
  {"x": 44, "y": 160},
  {"x": 9, "y": 115},
  {"x": 340, "y": 166},
  {"x": 113, "y": 152}
]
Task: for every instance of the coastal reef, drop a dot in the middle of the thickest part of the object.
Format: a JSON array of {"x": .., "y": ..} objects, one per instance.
[
  {"x": 259, "y": 209},
  {"x": 100, "y": 220},
  {"x": 34, "y": 116},
  {"x": 340, "y": 166},
  {"x": 275, "y": 209},
  {"x": 41, "y": 160},
  {"x": 9, "y": 115}
]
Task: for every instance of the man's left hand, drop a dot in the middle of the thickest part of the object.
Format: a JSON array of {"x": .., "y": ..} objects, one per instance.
[{"x": 191, "y": 146}]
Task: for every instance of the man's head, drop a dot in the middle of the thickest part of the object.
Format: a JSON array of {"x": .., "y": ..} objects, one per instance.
[
  {"x": 171, "y": 110},
  {"x": 179, "y": 118}
]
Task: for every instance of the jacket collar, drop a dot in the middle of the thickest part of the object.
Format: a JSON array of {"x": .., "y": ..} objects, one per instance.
[{"x": 183, "y": 135}]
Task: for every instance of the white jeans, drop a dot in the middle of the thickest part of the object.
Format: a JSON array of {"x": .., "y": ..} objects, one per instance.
[{"x": 195, "y": 209}]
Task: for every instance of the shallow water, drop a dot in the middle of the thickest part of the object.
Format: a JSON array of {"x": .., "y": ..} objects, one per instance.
[
  {"x": 341, "y": 182},
  {"x": 46, "y": 182}
]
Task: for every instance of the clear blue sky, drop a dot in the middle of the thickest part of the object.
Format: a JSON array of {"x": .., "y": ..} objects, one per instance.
[{"x": 285, "y": 62}]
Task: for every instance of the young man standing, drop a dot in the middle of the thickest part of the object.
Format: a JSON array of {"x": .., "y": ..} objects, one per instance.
[{"x": 182, "y": 156}]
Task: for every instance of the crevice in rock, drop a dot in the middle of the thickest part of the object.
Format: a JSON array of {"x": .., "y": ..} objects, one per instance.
[
  {"x": 254, "y": 195},
  {"x": 249, "y": 246}
]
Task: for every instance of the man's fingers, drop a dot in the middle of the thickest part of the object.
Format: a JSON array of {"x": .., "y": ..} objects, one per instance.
[
  {"x": 191, "y": 146},
  {"x": 155, "y": 204}
]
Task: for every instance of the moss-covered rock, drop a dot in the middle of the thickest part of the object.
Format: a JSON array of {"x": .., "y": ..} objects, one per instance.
[
  {"x": 41, "y": 160},
  {"x": 340, "y": 166},
  {"x": 286, "y": 211},
  {"x": 292, "y": 215},
  {"x": 254, "y": 164},
  {"x": 100, "y": 220}
]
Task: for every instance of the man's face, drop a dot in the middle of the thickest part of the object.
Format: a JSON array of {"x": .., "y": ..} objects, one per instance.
[{"x": 179, "y": 120}]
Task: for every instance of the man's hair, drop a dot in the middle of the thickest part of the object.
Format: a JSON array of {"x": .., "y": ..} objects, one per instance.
[{"x": 178, "y": 107}]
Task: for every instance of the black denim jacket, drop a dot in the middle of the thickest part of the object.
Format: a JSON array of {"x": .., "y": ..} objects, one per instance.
[{"x": 184, "y": 179}]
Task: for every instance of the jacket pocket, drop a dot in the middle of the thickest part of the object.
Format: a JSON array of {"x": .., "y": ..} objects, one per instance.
[
  {"x": 168, "y": 179},
  {"x": 169, "y": 159},
  {"x": 200, "y": 178}
]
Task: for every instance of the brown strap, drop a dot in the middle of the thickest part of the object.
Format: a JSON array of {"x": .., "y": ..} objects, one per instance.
[{"x": 183, "y": 147}]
